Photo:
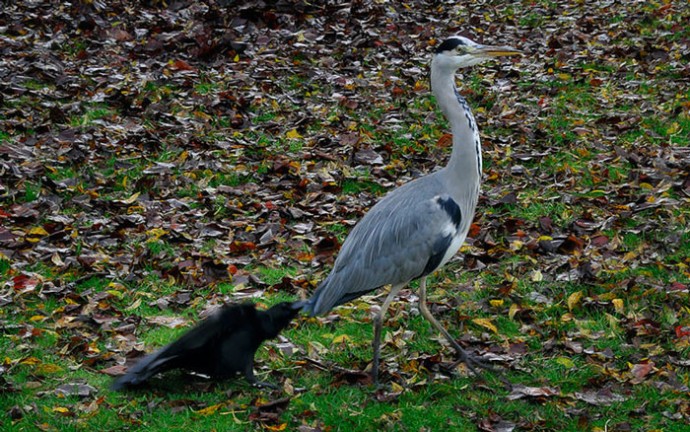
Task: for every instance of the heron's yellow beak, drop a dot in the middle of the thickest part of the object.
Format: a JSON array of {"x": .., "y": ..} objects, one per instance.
[{"x": 495, "y": 51}]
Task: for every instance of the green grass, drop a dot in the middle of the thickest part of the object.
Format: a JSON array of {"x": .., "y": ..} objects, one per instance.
[
  {"x": 272, "y": 276},
  {"x": 423, "y": 403},
  {"x": 353, "y": 187},
  {"x": 31, "y": 191},
  {"x": 606, "y": 147},
  {"x": 93, "y": 113}
]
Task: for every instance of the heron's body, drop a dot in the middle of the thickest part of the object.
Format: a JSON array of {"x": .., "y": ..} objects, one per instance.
[
  {"x": 411, "y": 232},
  {"x": 416, "y": 228}
]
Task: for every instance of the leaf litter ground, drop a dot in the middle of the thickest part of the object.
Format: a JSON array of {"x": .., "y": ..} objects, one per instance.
[{"x": 160, "y": 159}]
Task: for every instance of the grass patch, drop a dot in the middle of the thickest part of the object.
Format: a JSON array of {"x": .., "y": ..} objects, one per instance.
[{"x": 354, "y": 186}]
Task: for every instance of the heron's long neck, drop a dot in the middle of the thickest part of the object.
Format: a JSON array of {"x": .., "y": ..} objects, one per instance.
[{"x": 465, "y": 165}]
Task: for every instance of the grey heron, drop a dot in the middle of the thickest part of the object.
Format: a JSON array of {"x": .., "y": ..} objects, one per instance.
[{"x": 415, "y": 229}]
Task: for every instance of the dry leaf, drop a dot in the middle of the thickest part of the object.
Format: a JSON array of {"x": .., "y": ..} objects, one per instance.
[
  {"x": 486, "y": 323},
  {"x": 574, "y": 300}
]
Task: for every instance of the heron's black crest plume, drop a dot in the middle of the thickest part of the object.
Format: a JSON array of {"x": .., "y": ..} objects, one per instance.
[
  {"x": 221, "y": 346},
  {"x": 450, "y": 44}
]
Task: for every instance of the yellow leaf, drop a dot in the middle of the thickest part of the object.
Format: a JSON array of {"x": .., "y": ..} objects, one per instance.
[
  {"x": 574, "y": 299},
  {"x": 341, "y": 338},
  {"x": 537, "y": 276},
  {"x": 607, "y": 296},
  {"x": 514, "y": 308},
  {"x": 117, "y": 286},
  {"x": 37, "y": 231},
  {"x": 566, "y": 362},
  {"x": 55, "y": 259},
  {"x": 202, "y": 115},
  {"x": 134, "y": 305},
  {"x": 613, "y": 321},
  {"x": 397, "y": 388},
  {"x": 115, "y": 293},
  {"x": 618, "y": 305},
  {"x": 496, "y": 303},
  {"x": 567, "y": 317},
  {"x": 61, "y": 410},
  {"x": 293, "y": 134},
  {"x": 280, "y": 427},
  {"x": 30, "y": 361},
  {"x": 48, "y": 368},
  {"x": 486, "y": 323},
  {"x": 674, "y": 128},
  {"x": 211, "y": 409},
  {"x": 131, "y": 199},
  {"x": 155, "y": 234}
]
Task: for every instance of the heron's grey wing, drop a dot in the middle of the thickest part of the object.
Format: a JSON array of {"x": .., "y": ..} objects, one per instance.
[{"x": 406, "y": 235}]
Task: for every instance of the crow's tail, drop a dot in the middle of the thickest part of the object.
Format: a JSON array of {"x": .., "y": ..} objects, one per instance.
[{"x": 142, "y": 371}]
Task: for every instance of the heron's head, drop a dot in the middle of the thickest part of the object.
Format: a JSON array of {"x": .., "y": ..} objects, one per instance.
[{"x": 459, "y": 52}]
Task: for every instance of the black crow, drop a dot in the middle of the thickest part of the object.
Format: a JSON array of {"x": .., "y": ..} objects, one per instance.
[{"x": 221, "y": 346}]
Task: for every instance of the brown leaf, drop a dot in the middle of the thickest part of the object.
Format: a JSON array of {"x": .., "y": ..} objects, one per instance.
[
  {"x": 75, "y": 389},
  {"x": 116, "y": 370},
  {"x": 168, "y": 321},
  {"x": 520, "y": 391},
  {"x": 368, "y": 157},
  {"x": 571, "y": 246},
  {"x": 599, "y": 397},
  {"x": 640, "y": 371}
]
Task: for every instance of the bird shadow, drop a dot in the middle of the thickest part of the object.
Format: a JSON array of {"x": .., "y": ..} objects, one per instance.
[{"x": 183, "y": 382}]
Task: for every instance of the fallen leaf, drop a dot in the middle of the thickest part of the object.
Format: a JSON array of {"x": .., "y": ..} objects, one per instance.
[
  {"x": 520, "y": 391},
  {"x": 574, "y": 300},
  {"x": 640, "y": 371},
  {"x": 599, "y": 397},
  {"x": 76, "y": 389},
  {"x": 209, "y": 410},
  {"x": 340, "y": 339},
  {"x": 486, "y": 323},
  {"x": 618, "y": 305},
  {"x": 293, "y": 134},
  {"x": 566, "y": 362},
  {"x": 168, "y": 321}
]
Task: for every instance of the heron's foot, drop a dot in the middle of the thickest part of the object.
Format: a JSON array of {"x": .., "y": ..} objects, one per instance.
[
  {"x": 265, "y": 384},
  {"x": 473, "y": 363}
]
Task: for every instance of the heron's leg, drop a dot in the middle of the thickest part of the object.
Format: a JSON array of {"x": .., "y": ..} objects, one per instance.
[
  {"x": 464, "y": 356},
  {"x": 378, "y": 323}
]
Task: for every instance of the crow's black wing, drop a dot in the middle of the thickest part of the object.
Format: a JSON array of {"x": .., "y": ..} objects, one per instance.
[{"x": 238, "y": 348}]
